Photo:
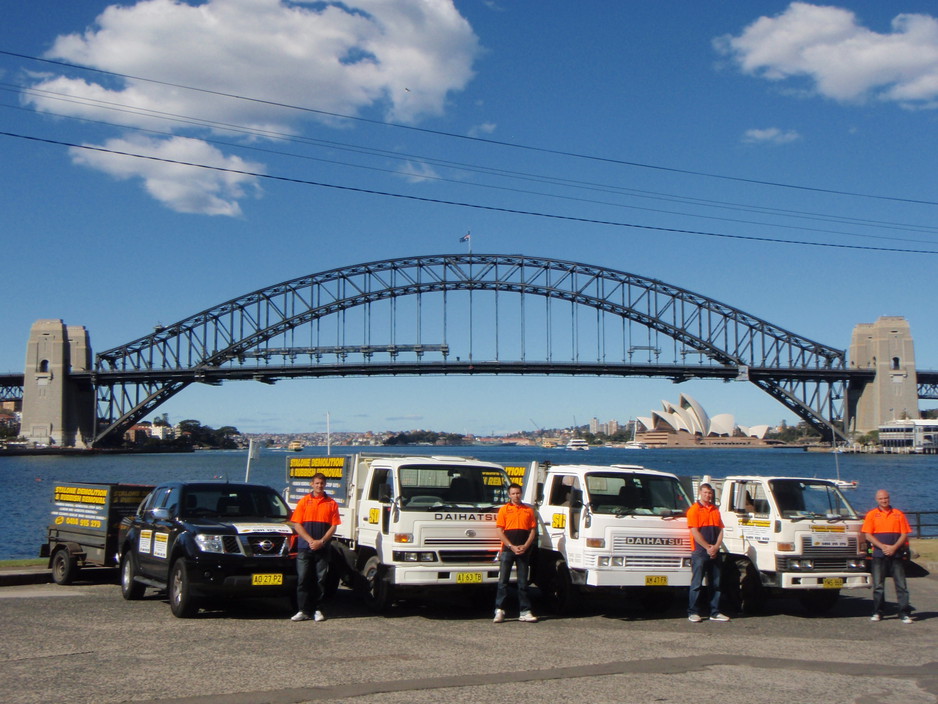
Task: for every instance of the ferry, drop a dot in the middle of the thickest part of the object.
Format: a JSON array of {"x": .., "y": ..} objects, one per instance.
[
  {"x": 295, "y": 446},
  {"x": 578, "y": 444}
]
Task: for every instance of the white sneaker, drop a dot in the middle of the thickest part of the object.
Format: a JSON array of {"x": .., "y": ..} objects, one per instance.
[
  {"x": 907, "y": 619},
  {"x": 300, "y": 616},
  {"x": 720, "y": 617},
  {"x": 876, "y": 617},
  {"x": 694, "y": 618},
  {"x": 317, "y": 616},
  {"x": 527, "y": 617},
  {"x": 499, "y": 616}
]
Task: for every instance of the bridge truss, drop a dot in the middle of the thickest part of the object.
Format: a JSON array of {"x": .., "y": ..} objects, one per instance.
[{"x": 469, "y": 314}]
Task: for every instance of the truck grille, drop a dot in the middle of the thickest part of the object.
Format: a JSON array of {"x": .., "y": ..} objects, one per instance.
[
  {"x": 468, "y": 556},
  {"x": 621, "y": 544},
  {"x": 844, "y": 553},
  {"x": 460, "y": 542},
  {"x": 273, "y": 545},
  {"x": 644, "y": 562}
]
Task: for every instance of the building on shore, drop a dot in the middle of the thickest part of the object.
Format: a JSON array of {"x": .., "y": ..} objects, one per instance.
[
  {"x": 914, "y": 436},
  {"x": 687, "y": 424}
]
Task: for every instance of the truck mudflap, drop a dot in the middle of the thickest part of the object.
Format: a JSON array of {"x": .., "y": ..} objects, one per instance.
[{"x": 823, "y": 580}]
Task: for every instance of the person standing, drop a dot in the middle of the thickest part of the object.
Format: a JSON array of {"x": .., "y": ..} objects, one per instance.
[
  {"x": 887, "y": 530},
  {"x": 517, "y": 529},
  {"x": 706, "y": 537},
  {"x": 314, "y": 520}
]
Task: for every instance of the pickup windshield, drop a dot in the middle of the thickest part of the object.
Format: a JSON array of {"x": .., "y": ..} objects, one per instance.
[
  {"x": 229, "y": 502},
  {"x": 635, "y": 494},
  {"x": 805, "y": 499},
  {"x": 431, "y": 488}
]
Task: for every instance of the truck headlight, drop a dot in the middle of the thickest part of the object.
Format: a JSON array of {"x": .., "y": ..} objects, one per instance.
[
  {"x": 413, "y": 556},
  {"x": 618, "y": 561},
  {"x": 603, "y": 561},
  {"x": 210, "y": 543},
  {"x": 595, "y": 542},
  {"x": 403, "y": 537}
]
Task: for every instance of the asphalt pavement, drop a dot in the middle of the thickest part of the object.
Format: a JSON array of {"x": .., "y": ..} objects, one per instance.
[{"x": 84, "y": 644}]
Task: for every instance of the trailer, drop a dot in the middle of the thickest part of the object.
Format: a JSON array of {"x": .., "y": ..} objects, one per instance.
[{"x": 85, "y": 519}]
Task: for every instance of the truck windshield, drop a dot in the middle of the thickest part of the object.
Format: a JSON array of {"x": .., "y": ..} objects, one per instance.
[
  {"x": 226, "y": 501},
  {"x": 429, "y": 488},
  {"x": 801, "y": 498},
  {"x": 635, "y": 494}
]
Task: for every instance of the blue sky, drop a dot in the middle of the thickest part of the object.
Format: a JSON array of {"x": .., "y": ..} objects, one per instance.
[{"x": 834, "y": 99}]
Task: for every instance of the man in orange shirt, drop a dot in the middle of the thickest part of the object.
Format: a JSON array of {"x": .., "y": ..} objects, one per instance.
[
  {"x": 887, "y": 530},
  {"x": 706, "y": 536},
  {"x": 517, "y": 529},
  {"x": 314, "y": 520}
]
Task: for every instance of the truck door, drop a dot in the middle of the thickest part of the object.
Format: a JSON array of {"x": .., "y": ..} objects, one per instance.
[
  {"x": 375, "y": 514},
  {"x": 562, "y": 511},
  {"x": 746, "y": 516},
  {"x": 157, "y": 532}
]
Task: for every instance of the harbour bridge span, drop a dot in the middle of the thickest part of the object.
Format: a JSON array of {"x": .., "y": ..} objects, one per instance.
[{"x": 470, "y": 314}]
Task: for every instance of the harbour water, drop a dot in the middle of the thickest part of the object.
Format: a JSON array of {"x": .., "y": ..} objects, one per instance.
[{"x": 26, "y": 483}]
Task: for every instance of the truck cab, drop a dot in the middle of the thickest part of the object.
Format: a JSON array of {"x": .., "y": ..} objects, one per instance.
[
  {"x": 414, "y": 523},
  {"x": 787, "y": 533},
  {"x": 619, "y": 526}
]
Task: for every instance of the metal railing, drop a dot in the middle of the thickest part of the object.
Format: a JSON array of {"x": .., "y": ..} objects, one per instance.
[{"x": 924, "y": 524}]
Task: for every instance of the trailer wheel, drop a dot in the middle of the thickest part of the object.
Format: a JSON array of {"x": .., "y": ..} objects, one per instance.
[
  {"x": 375, "y": 588},
  {"x": 131, "y": 589},
  {"x": 181, "y": 601},
  {"x": 819, "y": 601},
  {"x": 64, "y": 566}
]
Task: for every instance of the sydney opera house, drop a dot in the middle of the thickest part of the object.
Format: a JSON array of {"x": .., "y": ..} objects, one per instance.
[{"x": 686, "y": 424}]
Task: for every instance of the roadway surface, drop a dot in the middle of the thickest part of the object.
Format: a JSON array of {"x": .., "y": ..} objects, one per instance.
[{"x": 84, "y": 643}]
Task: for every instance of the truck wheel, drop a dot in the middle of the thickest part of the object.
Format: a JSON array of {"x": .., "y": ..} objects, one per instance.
[
  {"x": 181, "y": 601},
  {"x": 64, "y": 567},
  {"x": 375, "y": 588},
  {"x": 819, "y": 601},
  {"x": 560, "y": 589},
  {"x": 131, "y": 589},
  {"x": 752, "y": 594}
]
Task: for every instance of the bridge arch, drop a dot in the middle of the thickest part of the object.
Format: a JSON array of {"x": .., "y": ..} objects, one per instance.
[{"x": 584, "y": 326}]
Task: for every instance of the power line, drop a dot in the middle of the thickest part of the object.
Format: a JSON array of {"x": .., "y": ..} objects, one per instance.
[
  {"x": 472, "y": 138},
  {"x": 476, "y": 206}
]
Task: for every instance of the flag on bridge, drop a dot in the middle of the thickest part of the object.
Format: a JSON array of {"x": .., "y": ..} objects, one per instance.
[{"x": 464, "y": 238}]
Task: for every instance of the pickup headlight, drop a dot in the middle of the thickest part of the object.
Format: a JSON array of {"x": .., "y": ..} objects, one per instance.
[{"x": 210, "y": 543}]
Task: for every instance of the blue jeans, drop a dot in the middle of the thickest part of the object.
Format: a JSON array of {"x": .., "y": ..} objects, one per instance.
[
  {"x": 702, "y": 564},
  {"x": 889, "y": 567},
  {"x": 311, "y": 570},
  {"x": 505, "y": 560}
]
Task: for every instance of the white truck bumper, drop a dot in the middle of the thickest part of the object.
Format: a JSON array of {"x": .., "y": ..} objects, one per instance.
[
  {"x": 815, "y": 580},
  {"x": 414, "y": 575},
  {"x": 625, "y": 578}
]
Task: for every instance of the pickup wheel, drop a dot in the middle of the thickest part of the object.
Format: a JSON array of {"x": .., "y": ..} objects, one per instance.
[
  {"x": 131, "y": 589},
  {"x": 181, "y": 601},
  {"x": 819, "y": 601},
  {"x": 561, "y": 591},
  {"x": 375, "y": 588},
  {"x": 64, "y": 566}
]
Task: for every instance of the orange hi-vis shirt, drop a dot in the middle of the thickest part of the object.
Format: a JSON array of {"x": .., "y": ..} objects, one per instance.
[
  {"x": 317, "y": 514},
  {"x": 887, "y": 526},
  {"x": 707, "y": 520},
  {"x": 517, "y": 522}
]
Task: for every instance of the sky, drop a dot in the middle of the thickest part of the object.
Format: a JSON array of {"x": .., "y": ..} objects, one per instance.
[{"x": 775, "y": 156}]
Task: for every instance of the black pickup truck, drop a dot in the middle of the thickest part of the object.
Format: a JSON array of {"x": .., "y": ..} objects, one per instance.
[{"x": 203, "y": 541}]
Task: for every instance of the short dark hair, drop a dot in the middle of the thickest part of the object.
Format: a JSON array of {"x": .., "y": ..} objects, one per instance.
[
  {"x": 514, "y": 485},
  {"x": 705, "y": 485},
  {"x": 318, "y": 475}
]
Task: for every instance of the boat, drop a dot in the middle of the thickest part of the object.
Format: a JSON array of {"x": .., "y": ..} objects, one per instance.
[
  {"x": 578, "y": 444},
  {"x": 635, "y": 445},
  {"x": 295, "y": 446}
]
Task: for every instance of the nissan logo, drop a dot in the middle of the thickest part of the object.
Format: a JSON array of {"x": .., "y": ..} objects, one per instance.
[
  {"x": 266, "y": 545},
  {"x": 470, "y": 533}
]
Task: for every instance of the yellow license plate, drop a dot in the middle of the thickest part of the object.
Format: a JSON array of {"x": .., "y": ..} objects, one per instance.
[
  {"x": 469, "y": 578},
  {"x": 832, "y": 583},
  {"x": 266, "y": 580},
  {"x": 656, "y": 580}
]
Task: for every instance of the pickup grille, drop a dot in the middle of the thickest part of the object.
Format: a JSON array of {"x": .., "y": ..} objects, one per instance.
[
  {"x": 273, "y": 545},
  {"x": 468, "y": 556}
]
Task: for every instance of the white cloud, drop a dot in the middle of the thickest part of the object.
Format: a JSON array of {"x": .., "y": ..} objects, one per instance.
[
  {"x": 403, "y": 57},
  {"x": 845, "y": 61},
  {"x": 484, "y": 128},
  {"x": 418, "y": 172},
  {"x": 772, "y": 135},
  {"x": 185, "y": 189}
]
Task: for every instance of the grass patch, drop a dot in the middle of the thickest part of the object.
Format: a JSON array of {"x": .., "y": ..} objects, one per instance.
[
  {"x": 927, "y": 548},
  {"x": 28, "y": 562}
]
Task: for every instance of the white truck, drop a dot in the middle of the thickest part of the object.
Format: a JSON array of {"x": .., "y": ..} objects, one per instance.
[
  {"x": 787, "y": 533},
  {"x": 619, "y": 526},
  {"x": 409, "y": 523}
]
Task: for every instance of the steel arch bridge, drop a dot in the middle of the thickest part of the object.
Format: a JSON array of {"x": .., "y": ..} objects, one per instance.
[{"x": 469, "y": 314}]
